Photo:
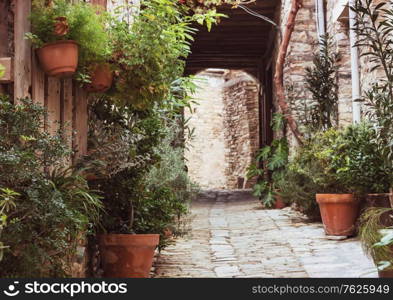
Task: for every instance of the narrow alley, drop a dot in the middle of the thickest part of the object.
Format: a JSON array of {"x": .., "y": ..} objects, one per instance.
[{"x": 232, "y": 236}]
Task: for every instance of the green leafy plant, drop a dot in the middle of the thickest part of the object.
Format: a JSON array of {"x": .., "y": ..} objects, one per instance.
[
  {"x": 7, "y": 204},
  {"x": 335, "y": 161},
  {"x": 373, "y": 26},
  {"x": 149, "y": 51},
  {"x": 274, "y": 159},
  {"x": 137, "y": 161},
  {"x": 77, "y": 21},
  {"x": 45, "y": 208},
  {"x": 376, "y": 237},
  {"x": 322, "y": 113}
]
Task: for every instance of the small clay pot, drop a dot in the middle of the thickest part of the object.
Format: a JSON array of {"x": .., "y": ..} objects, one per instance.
[
  {"x": 127, "y": 255},
  {"x": 339, "y": 213},
  {"x": 59, "y": 59},
  {"x": 101, "y": 79}
]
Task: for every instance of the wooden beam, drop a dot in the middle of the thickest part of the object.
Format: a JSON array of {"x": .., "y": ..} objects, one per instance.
[{"x": 22, "y": 63}]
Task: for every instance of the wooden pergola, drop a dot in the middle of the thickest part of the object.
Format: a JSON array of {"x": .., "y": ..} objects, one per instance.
[{"x": 241, "y": 42}]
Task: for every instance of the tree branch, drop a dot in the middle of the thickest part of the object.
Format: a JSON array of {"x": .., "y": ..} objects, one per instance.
[{"x": 279, "y": 70}]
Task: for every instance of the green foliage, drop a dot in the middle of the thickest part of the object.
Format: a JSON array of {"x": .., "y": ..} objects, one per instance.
[
  {"x": 274, "y": 159},
  {"x": 85, "y": 26},
  {"x": 349, "y": 161},
  {"x": 44, "y": 208},
  {"x": 335, "y": 161},
  {"x": 374, "y": 25},
  {"x": 322, "y": 114},
  {"x": 376, "y": 238},
  {"x": 148, "y": 54},
  {"x": 137, "y": 160}
]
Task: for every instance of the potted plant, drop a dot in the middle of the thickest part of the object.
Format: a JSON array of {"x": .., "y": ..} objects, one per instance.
[
  {"x": 269, "y": 167},
  {"x": 101, "y": 77},
  {"x": 377, "y": 238},
  {"x": 145, "y": 188},
  {"x": 66, "y": 35},
  {"x": 353, "y": 166}
]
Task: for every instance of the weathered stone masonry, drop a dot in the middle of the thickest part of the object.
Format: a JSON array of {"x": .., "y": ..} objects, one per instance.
[
  {"x": 226, "y": 130},
  {"x": 241, "y": 126}
]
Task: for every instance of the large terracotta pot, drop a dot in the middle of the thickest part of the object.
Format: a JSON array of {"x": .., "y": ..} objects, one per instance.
[
  {"x": 339, "y": 213},
  {"x": 101, "y": 79},
  {"x": 279, "y": 204},
  {"x": 59, "y": 59},
  {"x": 127, "y": 255},
  {"x": 385, "y": 274}
]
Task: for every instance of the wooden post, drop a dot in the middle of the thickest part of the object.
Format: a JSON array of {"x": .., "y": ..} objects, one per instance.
[
  {"x": 80, "y": 123},
  {"x": 53, "y": 105},
  {"x": 37, "y": 82},
  {"x": 22, "y": 63},
  {"x": 67, "y": 109}
]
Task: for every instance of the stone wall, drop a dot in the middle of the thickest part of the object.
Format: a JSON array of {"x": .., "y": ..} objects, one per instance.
[
  {"x": 337, "y": 26},
  {"x": 206, "y": 153},
  {"x": 304, "y": 43},
  {"x": 241, "y": 126},
  {"x": 226, "y": 130}
]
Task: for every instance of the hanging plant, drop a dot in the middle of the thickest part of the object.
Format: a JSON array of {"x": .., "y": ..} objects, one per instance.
[{"x": 68, "y": 36}]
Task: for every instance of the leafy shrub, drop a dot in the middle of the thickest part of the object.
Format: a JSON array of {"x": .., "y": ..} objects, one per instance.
[
  {"x": 374, "y": 22},
  {"x": 47, "y": 206},
  {"x": 336, "y": 161},
  {"x": 148, "y": 53},
  {"x": 273, "y": 159},
  {"x": 322, "y": 113},
  {"x": 138, "y": 165},
  {"x": 376, "y": 237}
]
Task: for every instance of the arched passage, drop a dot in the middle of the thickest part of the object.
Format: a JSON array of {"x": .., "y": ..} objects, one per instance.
[
  {"x": 243, "y": 44},
  {"x": 226, "y": 129}
]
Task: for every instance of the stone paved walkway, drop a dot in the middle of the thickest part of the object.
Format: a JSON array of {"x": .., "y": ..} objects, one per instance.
[{"x": 233, "y": 237}]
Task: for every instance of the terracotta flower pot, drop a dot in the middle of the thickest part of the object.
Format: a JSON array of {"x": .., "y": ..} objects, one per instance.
[
  {"x": 101, "y": 79},
  {"x": 59, "y": 59},
  {"x": 279, "y": 204},
  {"x": 339, "y": 213},
  {"x": 128, "y": 255},
  {"x": 385, "y": 274}
]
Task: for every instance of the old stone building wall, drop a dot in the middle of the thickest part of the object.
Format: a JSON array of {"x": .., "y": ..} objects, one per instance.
[
  {"x": 304, "y": 43},
  {"x": 241, "y": 126},
  {"x": 337, "y": 27},
  {"x": 226, "y": 129},
  {"x": 206, "y": 153}
]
